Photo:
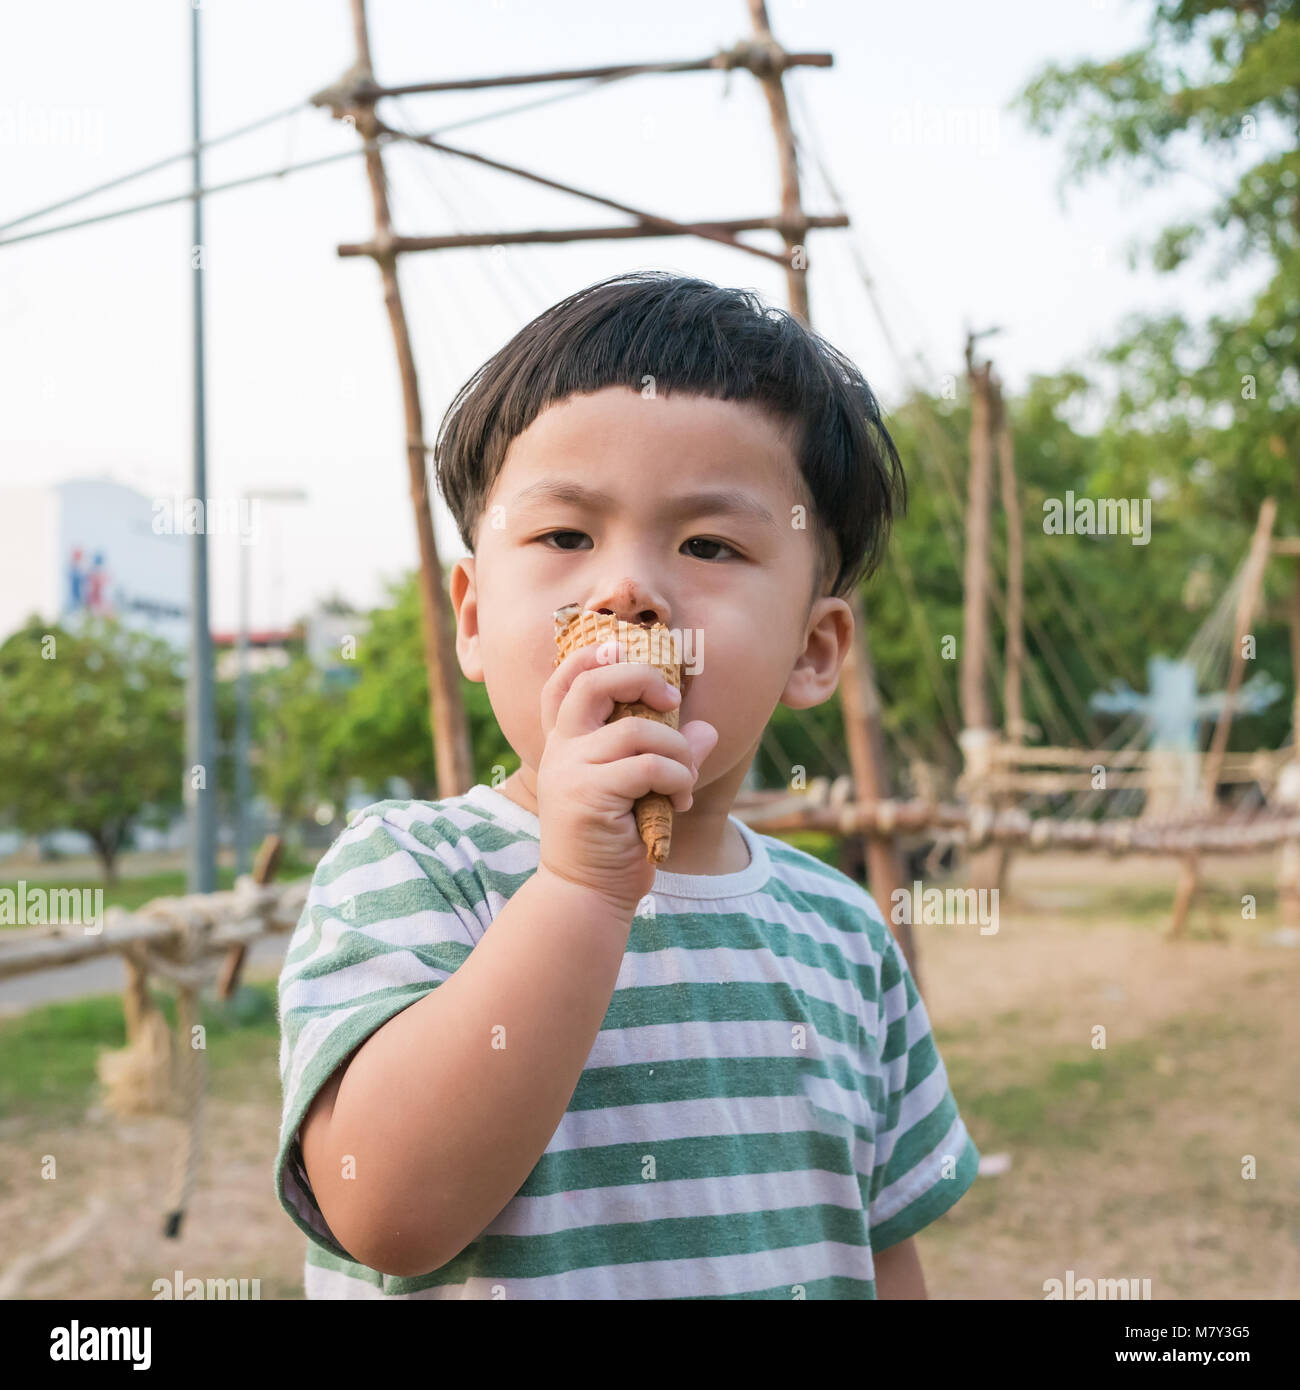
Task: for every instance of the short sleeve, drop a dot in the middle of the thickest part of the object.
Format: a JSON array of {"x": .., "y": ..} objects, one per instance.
[
  {"x": 384, "y": 923},
  {"x": 924, "y": 1158}
]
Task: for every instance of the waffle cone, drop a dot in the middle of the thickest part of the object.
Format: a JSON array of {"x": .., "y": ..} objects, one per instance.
[{"x": 653, "y": 645}]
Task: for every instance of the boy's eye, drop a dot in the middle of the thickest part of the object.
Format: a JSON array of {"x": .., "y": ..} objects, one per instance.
[
  {"x": 550, "y": 534},
  {"x": 695, "y": 540}
]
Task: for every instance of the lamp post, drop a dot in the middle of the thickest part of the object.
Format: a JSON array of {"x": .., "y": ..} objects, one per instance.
[{"x": 243, "y": 779}]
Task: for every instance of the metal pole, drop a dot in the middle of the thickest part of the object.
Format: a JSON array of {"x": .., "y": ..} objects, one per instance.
[
  {"x": 242, "y": 789},
  {"x": 201, "y": 771}
]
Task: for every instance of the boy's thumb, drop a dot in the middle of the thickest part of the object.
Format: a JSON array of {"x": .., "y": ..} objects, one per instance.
[{"x": 702, "y": 737}]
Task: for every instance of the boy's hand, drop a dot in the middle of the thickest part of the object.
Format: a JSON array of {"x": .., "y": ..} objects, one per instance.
[{"x": 591, "y": 772}]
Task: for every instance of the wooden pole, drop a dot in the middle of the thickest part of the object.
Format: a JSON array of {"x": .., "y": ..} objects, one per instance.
[
  {"x": 769, "y": 76},
  {"x": 859, "y": 695},
  {"x": 977, "y": 738},
  {"x": 1013, "y": 731},
  {"x": 1013, "y": 700},
  {"x": 451, "y": 742},
  {"x": 974, "y": 695},
  {"x": 1252, "y": 581},
  {"x": 265, "y": 868},
  {"x": 864, "y": 728}
]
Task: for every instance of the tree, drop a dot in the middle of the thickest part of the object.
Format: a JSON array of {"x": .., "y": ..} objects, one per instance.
[
  {"x": 91, "y": 732},
  {"x": 384, "y": 728},
  {"x": 1224, "y": 395},
  {"x": 298, "y": 762},
  {"x": 312, "y": 736},
  {"x": 1205, "y": 419}
]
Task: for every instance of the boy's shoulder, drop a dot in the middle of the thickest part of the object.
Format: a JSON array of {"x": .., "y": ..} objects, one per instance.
[
  {"x": 455, "y": 842},
  {"x": 800, "y": 876},
  {"x": 458, "y": 821}
]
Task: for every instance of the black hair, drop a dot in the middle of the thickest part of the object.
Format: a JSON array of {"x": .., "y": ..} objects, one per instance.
[{"x": 693, "y": 337}]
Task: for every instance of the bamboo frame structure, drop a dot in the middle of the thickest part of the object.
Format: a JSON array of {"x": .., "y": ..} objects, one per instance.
[{"x": 355, "y": 94}]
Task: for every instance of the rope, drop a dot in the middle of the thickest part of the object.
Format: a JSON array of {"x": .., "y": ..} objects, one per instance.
[
  {"x": 192, "y": 1076},
  {"x": 186, "y": 197},
  {"x": 179, "y": 961},
  {"x": 153, "y": 168}
]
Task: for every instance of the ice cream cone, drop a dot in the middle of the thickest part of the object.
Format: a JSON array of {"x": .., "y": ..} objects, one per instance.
[{"x": 652, "y": 644}]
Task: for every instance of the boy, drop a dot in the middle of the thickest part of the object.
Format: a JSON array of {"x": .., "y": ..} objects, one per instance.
[{"x": 520, "y": 1061}]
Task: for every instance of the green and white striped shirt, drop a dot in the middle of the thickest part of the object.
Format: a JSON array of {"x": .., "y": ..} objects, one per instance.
[{"x": 763, "y": 1106}]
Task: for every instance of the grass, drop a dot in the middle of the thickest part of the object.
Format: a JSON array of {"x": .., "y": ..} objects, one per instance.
[
  {"x": 1147, "y": 907},
  {"x": 1067, "y": 1098},
  {"x": 50, "y": 1052}
]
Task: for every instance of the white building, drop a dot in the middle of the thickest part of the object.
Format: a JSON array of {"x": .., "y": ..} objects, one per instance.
[{"x": 90, "y": 545}]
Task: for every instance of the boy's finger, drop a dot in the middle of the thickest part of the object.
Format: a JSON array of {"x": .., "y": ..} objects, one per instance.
[
  {"x": 561, "y": 679},
  {"x": 591, "y": 699}
]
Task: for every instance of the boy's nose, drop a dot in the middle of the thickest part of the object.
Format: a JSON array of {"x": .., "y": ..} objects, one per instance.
[{"x": 632, "y": 602}]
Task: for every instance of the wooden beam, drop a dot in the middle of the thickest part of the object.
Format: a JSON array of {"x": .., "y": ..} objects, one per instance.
[
  {"x": 236, "y": 916},
  {"x": 976, "y": 828},
  {"x": 400, "y": 244},
  {"x": 450, "y": 728},
  {"x": 742, "y": 56}
]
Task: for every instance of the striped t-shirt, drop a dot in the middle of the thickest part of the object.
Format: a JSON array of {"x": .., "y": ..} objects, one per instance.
[{"x": 762, "y": 1108}]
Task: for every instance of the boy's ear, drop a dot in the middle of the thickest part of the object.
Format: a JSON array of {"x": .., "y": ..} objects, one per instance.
[
  {"x": 464, "y": 601},
  {"x": 817, "y": 671}
]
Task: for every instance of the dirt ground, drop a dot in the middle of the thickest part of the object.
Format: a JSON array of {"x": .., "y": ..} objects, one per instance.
[{"x": 1128, "y": 1161}]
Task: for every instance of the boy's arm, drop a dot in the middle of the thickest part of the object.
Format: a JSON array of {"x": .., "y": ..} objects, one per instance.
[
  {"x": 446, "y": 1109},
  {"x": 898, "y": 1271}
]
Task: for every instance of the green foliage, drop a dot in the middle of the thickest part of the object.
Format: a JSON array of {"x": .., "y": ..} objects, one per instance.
[
  {"x": 315, "y": 736},
  {"x": 295, "y": 724},
  {"x": 383, "y": 730},
  {"x": 91, "y": 731},
  {"x": 1205, "y": 418},
  {"x": 382, "y": 727},
  {"x": 1225, "y": 394}
]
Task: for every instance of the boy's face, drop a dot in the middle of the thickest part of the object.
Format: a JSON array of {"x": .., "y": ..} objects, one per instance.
[{"x": 735, "y": 585}]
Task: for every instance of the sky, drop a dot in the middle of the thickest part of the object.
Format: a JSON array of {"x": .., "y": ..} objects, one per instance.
[{"x": 957, "y": 211}]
